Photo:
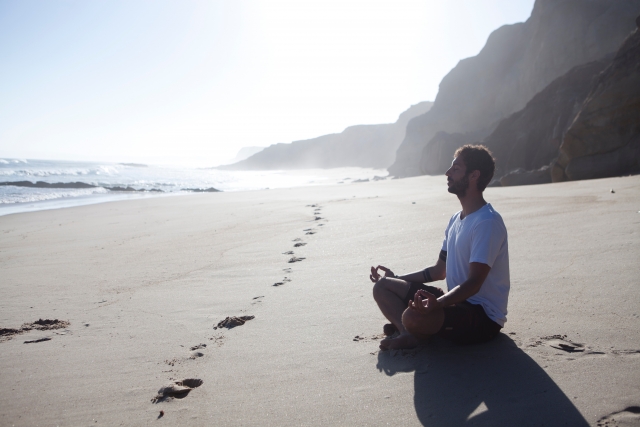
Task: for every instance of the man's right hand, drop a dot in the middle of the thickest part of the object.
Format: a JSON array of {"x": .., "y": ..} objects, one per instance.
[
  {"x": 375, "y": 276},
  {"x": 424, "y": 302}
]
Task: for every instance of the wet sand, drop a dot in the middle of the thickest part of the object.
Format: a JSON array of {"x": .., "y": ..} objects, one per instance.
[{"x": 160, "y": 293}]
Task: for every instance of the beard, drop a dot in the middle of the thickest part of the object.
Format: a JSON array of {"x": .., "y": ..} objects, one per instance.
[{"x": 459, "y": 188}]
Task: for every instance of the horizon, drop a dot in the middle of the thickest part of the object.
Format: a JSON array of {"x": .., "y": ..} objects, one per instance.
[{"x": 193, "y": 83}]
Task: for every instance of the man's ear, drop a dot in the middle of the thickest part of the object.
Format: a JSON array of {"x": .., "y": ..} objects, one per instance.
[{"x": 474, "y": 176}]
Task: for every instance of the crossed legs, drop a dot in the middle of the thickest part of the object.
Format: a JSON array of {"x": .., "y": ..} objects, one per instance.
[{"x": 391, "y": 297}]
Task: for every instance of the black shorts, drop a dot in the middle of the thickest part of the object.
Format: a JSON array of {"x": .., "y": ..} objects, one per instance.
[{"x": 464, "y": 323}]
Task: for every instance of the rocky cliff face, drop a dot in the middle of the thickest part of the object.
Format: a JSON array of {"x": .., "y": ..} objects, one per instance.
[
  {"x": 530, "y": 138},
  {"x": 441, "y": 149},
  {"x": 370, "y": 146},
  {"x": 604, "y": 139},
  {"x": 517, "y": 62}
]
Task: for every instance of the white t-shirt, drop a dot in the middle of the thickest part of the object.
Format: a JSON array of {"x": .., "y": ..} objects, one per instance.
[{"x": 480, "y": 237}]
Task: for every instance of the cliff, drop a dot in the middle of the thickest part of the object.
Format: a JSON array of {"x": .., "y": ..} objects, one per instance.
[
  {"x": 370, "y": 146},
  {"x": 245, "y": 153},
  {"x": 517, "y": 62},
  {"x": 441, "y": 149},
  {"x": 530, "y": 138},
  {"x": 604, "y": 139}
]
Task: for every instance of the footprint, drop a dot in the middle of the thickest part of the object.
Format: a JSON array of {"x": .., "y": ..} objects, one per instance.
[
  {"x": 320, "y": 225},
  {"x": 285, "y": 280},
  {"x": 191, "y": 382},
  {"x": 307, "y": 229},
  {"x": 297, "y": 245},
  {"x": 310, "y": 232},
  {"x": 177, "y": 390},
  {"x": 172, "y": 362},
  {"x": 629, "y": 416},
  {"x": 232, "y": 321},
  {"x": 297, "y": 240},
  {"x": 261, "y": 296},
  {"x": 198, "y": 347},
  {"x": 196, "y": 354},
  {"x": 287, "y": 253},
  {"x": 318, "y": 218},
  {"x": 295, "y": 259},
  {"x": 218, "y": 339},
  {"x": 287, "y": 270}
]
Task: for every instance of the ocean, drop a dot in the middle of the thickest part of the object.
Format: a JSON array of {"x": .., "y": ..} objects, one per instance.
[{"x": 29, "y": 185}]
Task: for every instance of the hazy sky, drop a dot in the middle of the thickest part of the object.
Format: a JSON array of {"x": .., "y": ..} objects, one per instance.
[{"x": 194, "y": 81}]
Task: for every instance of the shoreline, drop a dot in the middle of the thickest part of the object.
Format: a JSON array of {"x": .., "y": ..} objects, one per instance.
[
  {"x": 71, "y": 202},
  {"x": 160, "y": 185},
  {"x": 143, "y": 282}
]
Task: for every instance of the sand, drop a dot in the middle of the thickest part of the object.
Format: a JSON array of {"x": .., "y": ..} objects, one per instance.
[{"x": 143, "y": 283}]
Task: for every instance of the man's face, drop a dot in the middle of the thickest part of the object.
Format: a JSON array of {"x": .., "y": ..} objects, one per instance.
[{"x": 457, "y": 178}]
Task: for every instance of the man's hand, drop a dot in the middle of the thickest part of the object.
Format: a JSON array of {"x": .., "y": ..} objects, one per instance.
[
  {"x": 375, "y": 276},
  {"x": 424, "y": 302}
]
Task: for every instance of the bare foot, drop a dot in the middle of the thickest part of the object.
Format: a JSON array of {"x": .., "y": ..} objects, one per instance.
[
  {"x": 401, "y": 342},
  {"x": 389, "y": 329}
]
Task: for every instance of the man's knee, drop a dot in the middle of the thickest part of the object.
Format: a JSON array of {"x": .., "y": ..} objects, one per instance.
[
  {"x": 412, "y": 321},
  {"x": 379, "y": 288},
  {"x": 422, "y": 325}
]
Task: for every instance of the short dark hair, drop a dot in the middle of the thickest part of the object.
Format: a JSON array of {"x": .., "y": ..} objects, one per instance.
[{"x": 478, "y": 157}]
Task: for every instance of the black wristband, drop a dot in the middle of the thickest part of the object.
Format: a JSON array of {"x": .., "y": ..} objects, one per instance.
[{"x": 427, "y": 275}]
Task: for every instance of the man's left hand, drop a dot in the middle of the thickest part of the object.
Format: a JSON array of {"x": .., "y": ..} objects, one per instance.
[{"x": 375, "y": 276}]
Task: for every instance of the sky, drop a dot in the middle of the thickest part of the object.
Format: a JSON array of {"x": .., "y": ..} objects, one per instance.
[{"x": 192, "y": 82}]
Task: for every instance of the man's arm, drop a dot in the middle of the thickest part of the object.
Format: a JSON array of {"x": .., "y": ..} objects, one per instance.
[
  {"x": 429, "y": 274},
  {"x": 478, "y": 272},
  {"x": 425, "y": 302}
]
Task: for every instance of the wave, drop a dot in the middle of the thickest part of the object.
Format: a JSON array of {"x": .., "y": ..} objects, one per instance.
[
  {"x": 13, "y": 161},
  {"x": 74, "y": 185},
  {"x": 134, "y": 165},
  {"x": 42, "y": 184},
  {"x": 201, "y": 190},
  {"x": 96, "y": 171},
  {"x": 84, "y": 185},
  {"x": 29, "y": 195}
]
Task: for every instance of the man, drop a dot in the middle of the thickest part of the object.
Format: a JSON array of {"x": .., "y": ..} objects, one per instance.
[{"x": 474, "y": 259}]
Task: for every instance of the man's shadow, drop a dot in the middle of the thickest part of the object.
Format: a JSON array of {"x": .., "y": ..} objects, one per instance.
[{"x": 492, "y": 384}]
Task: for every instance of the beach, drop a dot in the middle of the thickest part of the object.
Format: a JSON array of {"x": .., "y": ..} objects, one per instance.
[{"x": 142, "y": 284}]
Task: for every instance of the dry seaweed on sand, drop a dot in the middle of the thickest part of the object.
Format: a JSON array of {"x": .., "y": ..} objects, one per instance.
[{"x": 232, "y": 322}]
